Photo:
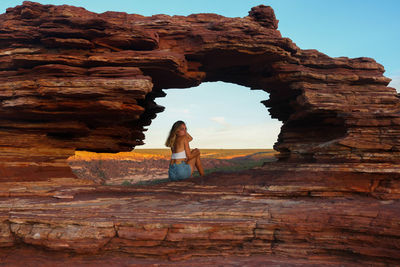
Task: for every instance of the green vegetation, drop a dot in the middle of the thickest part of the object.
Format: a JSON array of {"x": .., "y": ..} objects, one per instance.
[{"x": 126, "y": 183}]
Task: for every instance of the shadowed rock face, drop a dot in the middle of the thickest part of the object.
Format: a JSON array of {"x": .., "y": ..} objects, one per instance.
[
  {"x": 76, "y": 80},
  {"x": 71, "y": 79},
  {"x": 314, "y": 218}
]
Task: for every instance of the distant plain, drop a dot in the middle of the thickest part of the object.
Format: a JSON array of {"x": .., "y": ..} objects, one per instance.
[{"x": 147, "y": 166}]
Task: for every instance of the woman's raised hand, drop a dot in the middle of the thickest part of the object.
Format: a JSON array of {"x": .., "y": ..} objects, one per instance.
[{"x": 190, "y": 138}]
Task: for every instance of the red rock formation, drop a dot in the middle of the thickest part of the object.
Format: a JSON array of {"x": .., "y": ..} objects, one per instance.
[
  {"x": 72, "y": 79},
  {"x": 323, "y": 217}
]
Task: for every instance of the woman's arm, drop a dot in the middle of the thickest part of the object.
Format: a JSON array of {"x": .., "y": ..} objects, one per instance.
[
  {"x": 187, "y": 148},
  {"x": 190, "y": 138},
  {"x": 190, "y": 154}
]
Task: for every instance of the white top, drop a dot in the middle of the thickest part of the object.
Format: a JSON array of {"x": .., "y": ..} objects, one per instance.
[{"x": 179, "y": 155}]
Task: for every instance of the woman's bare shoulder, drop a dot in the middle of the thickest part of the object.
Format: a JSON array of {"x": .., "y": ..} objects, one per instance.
[{"x": 180, "y": 138}]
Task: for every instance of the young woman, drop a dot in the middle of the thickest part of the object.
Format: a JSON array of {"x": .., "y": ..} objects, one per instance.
[{"x": 183, "y": 161}]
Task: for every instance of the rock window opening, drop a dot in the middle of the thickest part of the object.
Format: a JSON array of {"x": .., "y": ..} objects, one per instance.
[{"x": 230, "y": 125}]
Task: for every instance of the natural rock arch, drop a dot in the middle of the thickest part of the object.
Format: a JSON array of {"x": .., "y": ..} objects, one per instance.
[{"x": 72, "y": 79}]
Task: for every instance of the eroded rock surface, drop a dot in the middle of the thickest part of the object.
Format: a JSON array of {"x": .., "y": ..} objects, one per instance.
[
  {"x": 72, "y": 79},
  {"x": 324, "y": 217}
]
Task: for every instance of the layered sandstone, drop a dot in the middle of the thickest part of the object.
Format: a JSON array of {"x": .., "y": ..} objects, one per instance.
[
  {"x": 76, "y": 80},
  {"x": 301, "y": 218},
  {"x": 73, "y": 80}
]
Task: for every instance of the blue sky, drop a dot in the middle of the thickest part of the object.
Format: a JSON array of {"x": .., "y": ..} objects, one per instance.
[{"x": 221, "y": 115}]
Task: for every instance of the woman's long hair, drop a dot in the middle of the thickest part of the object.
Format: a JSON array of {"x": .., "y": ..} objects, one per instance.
[{"x": 172, "y": 133}]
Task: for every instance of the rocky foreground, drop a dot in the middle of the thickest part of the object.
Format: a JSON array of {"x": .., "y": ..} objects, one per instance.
[
  {"x": 291, "y": 218},
  {"x": 74, "y": 80}
]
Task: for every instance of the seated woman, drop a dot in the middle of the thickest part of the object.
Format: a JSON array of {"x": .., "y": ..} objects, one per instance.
[{"x": 183, "y": 161}]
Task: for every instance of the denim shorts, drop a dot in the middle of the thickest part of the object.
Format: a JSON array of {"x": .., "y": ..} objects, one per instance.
[{"x": 179, "y": 171}]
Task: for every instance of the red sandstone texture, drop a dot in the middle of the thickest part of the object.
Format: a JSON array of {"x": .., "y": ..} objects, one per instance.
[
  {"x": 76, "y": 80},
  {"x": 72, "y": 79},
  {"x": 313, "y": 218}
]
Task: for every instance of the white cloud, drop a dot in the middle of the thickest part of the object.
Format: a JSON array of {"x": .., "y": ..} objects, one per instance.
[
  {"x": 395, "y": 83},
  {"x": 220, "y": 120},
  {"x": 179, "y": 112},
  {"x": 238, "y": 122},
  {"x": 261, "y": 135}
]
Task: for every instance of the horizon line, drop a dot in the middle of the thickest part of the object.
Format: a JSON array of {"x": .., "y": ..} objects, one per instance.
[{"x": 201, "y": 148}]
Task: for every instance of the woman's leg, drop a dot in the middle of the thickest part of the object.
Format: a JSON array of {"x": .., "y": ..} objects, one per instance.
[
  {"x": 199, "y": 166},
  {"x": 195, "y": 162}
]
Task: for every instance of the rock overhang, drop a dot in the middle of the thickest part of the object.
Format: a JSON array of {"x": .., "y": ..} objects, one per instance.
[
  {"x": 76, "y": 80},
  {"x": 72, "y": 79}
]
